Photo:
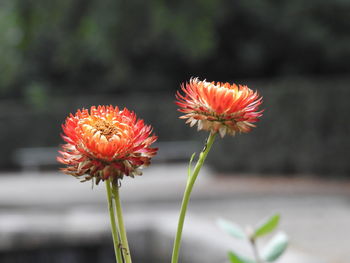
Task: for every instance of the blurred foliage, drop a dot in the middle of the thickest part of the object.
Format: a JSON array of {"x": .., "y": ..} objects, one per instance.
[
  {"x": 271, "y": 251},
  {"x": 36, "y": 96},
  {"x": 91, "y": 46}
]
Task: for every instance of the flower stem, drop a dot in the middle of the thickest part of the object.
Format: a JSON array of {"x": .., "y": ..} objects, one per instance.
[
  {"x": 255, "y": 250},
  {"x": 114, "y": 228},
  {"x": 124, "y": 241},
  {"x": 186, "y": 198}
]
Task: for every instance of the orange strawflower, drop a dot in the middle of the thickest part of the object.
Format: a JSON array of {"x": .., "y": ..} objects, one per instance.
[
  {"x": 105, "y": 142},
  {"x": 219, "y": 107}
]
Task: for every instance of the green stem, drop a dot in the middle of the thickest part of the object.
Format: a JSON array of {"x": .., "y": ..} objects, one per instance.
[
  {"x": 186, "y": 198},
  {"x": 255, "y": 250},
  {"x": 124, "y": 240},
  {"x": 114, "y": 228}
]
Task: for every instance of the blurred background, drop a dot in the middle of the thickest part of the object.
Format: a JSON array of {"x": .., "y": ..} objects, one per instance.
[{"x": 60, "y": 55}]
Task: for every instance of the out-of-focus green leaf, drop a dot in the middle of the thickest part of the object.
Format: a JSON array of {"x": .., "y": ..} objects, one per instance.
[
  {"x": 267, "y": 226},
  {"x": 275, "y": 248},
  {"x": 231, "y": 228},
  {"x": 235, "y": 258}
]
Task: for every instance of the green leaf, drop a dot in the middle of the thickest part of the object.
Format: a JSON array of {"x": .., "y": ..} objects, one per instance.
[
  {"x": 231, "y": 228},
  {"x": 235, "y": 258},
  {"x": 275, "y": 248},
  {"x": 189, "y": 171},
  {"x": 267, "y": 226}
]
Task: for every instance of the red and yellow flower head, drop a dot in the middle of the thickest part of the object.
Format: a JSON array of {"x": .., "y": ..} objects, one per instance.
[
  {"x": 105, "y": 142},
  {"x": 219, "y": 107}
]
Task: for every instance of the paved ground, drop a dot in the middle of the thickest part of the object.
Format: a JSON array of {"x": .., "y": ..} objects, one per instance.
[{"x": 316, "y": 213}]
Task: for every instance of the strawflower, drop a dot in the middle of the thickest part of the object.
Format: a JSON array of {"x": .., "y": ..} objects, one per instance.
[
  {"x": 105, "y": 142},
  {"x": 219, "y": 107}
]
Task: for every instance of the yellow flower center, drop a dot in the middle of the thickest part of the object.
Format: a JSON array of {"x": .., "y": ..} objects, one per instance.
[{"x": 106, "y": 128}]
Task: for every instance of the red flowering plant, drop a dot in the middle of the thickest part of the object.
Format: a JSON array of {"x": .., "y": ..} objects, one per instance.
[
  {"x": 106, "y": 144},
  {"x": 216, "y": 107}
]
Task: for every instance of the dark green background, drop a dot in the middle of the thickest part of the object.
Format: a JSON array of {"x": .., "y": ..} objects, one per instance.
[{"x": 58, "y": 55}]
